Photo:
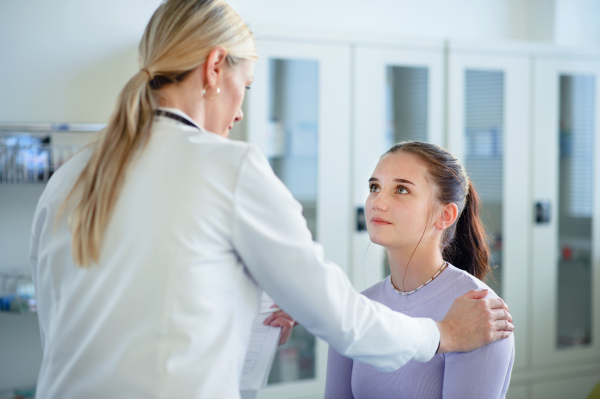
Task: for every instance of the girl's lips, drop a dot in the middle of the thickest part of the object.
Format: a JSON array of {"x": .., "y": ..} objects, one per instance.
[{"x": 379, "y": 221}]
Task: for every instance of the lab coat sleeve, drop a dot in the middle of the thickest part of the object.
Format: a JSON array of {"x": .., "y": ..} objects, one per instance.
[
  {"x": 271, "y": 237},
  {"x": 39, "y": 220}
]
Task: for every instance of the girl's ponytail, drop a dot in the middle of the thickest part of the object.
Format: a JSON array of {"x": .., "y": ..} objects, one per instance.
[
  {"x": 464, "y": 244},
  {"x": 469, "y": 250}
]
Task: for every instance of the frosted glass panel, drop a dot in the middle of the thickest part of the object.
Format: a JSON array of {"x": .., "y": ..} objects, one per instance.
[
  {"x": 484, "y": 131},
  {"x": 292, "y": 151},
  {"x": 407, "y": 104},
  {"x": 407, "y": 110},
  {"x": 293, "y": 141},
  {"x": 576, "y": 135}
]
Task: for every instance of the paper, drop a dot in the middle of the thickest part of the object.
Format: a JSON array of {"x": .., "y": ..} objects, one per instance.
[{"x": 261, "y": 351}]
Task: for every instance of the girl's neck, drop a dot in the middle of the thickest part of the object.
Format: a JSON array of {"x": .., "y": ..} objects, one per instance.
[{"x": 425, "y": 262}]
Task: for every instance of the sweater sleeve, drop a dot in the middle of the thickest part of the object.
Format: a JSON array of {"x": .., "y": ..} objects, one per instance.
[
  {"x": 482, "y": 373},
  {"x": 339, "y": 376},
  {"x": 270, "y": 236}
]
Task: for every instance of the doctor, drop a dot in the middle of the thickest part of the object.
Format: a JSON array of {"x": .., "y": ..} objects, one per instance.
[{"x": 151, "y": 246}]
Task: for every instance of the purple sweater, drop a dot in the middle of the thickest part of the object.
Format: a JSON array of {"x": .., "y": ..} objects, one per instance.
[{"x": 481, "y": 374}]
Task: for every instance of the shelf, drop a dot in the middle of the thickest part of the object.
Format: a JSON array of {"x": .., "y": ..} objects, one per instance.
[{"x": 30, "y": 154}]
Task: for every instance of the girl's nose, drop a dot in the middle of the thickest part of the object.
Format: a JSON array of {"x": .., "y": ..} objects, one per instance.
[{"x": 379, "y": 203}]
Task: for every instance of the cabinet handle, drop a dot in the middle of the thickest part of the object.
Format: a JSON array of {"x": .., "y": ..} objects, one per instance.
[
  {"x": 542, "y": 212},
  {"x": 361, "y": 220}
]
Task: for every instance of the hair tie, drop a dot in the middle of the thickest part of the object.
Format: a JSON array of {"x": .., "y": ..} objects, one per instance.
[{"x": 147, "y": 72}]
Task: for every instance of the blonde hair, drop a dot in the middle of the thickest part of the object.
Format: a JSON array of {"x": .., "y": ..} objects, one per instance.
[{"x": 178, "y": 38}]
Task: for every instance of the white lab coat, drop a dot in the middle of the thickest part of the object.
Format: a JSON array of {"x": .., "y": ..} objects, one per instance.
[{"x": 201, "y": 226}]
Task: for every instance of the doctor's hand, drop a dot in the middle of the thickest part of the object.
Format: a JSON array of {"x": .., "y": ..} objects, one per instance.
[
  {"x": 283, "y": 320},
  {"x": 474, "y": 321}
]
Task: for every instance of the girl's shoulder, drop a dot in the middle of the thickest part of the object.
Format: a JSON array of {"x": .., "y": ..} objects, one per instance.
[
  {"x": 375, "y": 292},
  {"x": 432, "y": 300},
  {"x": 465, "y": 282}
]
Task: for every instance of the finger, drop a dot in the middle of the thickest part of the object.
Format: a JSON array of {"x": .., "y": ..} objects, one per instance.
[
  {"x": 509, "y": 326},
  {"x": 275, "y": 323},
  {"x": 496, "y": 303},
  {"x": 282, "y": 322},
  {"x": 275, "y": 315},
  {"x": 476, "y": 294},
  {"x": 285, "y": 335},
  {"x": 285, "y": 320},
  {"x": 503, "y": 325},
  {"x": 286, "y": 323},
  {"x": 281, "y": 313},
  {"x": 501, "y": 314}
]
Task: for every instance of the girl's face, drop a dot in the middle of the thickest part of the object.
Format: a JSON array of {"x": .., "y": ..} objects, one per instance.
[
  {"x": 401, "y": 203},
  {"x": 224, "y": 109}
]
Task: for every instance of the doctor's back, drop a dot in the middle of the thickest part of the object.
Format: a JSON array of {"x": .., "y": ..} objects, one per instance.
[{"x": 168, "y": 307}]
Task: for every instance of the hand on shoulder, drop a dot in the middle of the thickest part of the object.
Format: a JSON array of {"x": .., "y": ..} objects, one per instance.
[{"x": 474, "y": 320}]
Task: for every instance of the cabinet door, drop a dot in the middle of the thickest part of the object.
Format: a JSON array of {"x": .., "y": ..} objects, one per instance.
[
  {"x": 578, "y": 387},
  {"x": 518, "y": 392},
  {"x": 566, "y": 235},
  {"x": 488, "y": 130},
  {"x": 398, "y": 96},
  {"x": 298, "y": 114}
]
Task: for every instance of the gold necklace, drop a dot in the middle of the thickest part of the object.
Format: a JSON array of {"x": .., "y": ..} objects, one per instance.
[{"x": 422, "y": 285}]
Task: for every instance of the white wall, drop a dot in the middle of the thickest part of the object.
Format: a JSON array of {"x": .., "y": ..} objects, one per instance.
[
  {"x": 465, "y": 19},
  {"x": 576, "y": 22},
  {"x": 66, "y": 60}
]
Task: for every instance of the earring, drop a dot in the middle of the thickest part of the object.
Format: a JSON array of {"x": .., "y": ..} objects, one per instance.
[{"x": 218, "y": 90}]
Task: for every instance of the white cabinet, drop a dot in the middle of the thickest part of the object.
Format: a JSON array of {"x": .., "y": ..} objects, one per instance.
[
  {"x": 519, "y": 392},
  {"x": 572, "y": 388},
  {"x": 398, "y": 95},
  {"x": 566, "y": 191},
  {"x": 525, "y": 126},
  {"x": 488, "y": 130},
  {"x": 298, "y": 113}
]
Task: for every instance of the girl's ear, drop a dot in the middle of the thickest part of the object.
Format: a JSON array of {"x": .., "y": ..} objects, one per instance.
[{"x": 447, "y": 216}]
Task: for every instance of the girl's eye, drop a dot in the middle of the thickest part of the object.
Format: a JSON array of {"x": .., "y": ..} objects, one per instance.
[
  {"x": 402, "y": 190},
  {"x": 373, "y": 188}
]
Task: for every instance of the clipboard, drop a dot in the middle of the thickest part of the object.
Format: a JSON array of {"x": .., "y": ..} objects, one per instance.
[{"x": 260, "y": 353}]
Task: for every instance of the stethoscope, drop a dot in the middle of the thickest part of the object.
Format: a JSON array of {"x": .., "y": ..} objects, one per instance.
[{"x": 185, "y": 121}]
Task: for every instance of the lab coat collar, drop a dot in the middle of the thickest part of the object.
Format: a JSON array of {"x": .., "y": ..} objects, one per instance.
[{"x": 183, "y": 115}]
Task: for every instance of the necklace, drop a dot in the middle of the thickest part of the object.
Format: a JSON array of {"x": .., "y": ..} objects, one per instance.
[{"x": 422, "y": 285}]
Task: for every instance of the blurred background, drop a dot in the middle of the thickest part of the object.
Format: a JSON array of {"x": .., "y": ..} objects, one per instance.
[{"x": 509, "y": 86}]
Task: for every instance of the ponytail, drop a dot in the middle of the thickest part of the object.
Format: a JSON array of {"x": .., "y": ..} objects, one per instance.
[
  {"x": 178, "y": 38},
  {"x": 469, "y": 249},
  {"x": 101, "y": 181},
  {"x": 464, "y": 244}
]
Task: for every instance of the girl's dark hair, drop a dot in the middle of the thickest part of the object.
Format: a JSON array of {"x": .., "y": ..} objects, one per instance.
[{"x": 464, "y": 243}]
